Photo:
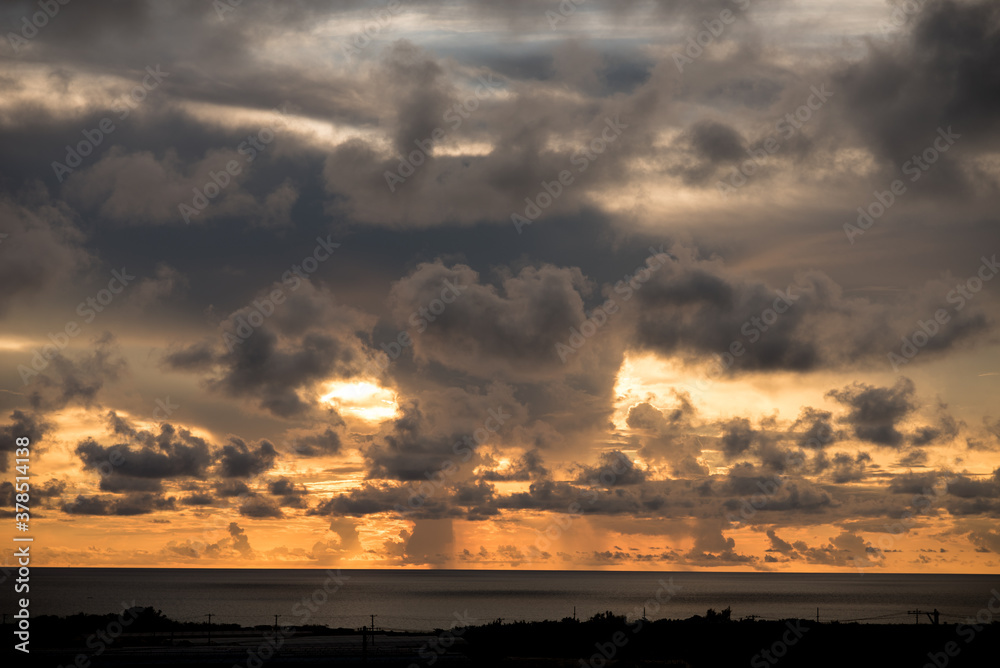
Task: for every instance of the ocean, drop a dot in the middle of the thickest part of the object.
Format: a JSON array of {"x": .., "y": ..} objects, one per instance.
[{"x": 430, "y": 599}]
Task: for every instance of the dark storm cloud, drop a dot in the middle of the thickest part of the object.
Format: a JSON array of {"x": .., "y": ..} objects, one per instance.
[
  {"x": 978, "y": 506},
  {"x": 767, "y": 495},
  {"x": 46, "y": 494},
  {"x": 817, "y": 428},
  {"x": 478, "y": 494},
  {"x": 260, "y": 507},
  {"x": 133, "y": 504},
  {"x": 484, "y": 330},
  {"x": 776, "y": 457},
  {"x": 847, "y": 468},
  {"x": 327, "y": 442},
  {"x": 110, "y": 188},
  {"x": 308, "y": 339},
  {"x": 173, "y": 453},
  {"x": 292, "y": 495},
  {"x": 942, "y": 75},
  {"x": 261, "y": 367},
  {"x": 613, "y": 469},
  {"x": 198, "y": 499},
  {"x": 231, "y": 488},
  {"x": 410, "y": 452},
  {"x": 742, "y": 480},
  {"x": 875, "y": 412},
  {"x": 968, "y": 488},
  {"x": 475, "y": 187},
  {"x": 371, "y": 499},
  {"x": 118, "y": 484},
  {"x": 220, "y": 31},
  {"x": 708, "y": 144},
  {"x": 567, "y": 498},
  {"x": 914, "y": 483},
  {"x": 40, "y": 247},
  {"x": 700, "y": 307},
  {"x": 239, "y": 460},
  {"x": 737, "y": 437},
  {"x": 22, "y": 425}
]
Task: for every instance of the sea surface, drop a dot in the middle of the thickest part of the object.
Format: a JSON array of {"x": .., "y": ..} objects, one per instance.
[{"x": 426, "y": 600}]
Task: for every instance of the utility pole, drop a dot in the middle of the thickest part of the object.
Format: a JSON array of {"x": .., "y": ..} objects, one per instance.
[
  {"x": 817, "y": 615},
  {"x": 373, "y": 629},
  {"x": 276, "y": 625},
  {"x": 209, "y": 615}
]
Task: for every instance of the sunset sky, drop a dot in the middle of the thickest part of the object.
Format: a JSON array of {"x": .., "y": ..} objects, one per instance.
[{"x": 632, "y": 285}]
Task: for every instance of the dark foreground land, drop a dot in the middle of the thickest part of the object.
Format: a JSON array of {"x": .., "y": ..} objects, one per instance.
[{"x": 605, "y": 641}]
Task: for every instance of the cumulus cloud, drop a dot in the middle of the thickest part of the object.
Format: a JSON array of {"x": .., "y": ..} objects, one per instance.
[
  {"x": 22, "y": 425},
  {"x": 308, "y": 339},
  {"x": 875, "y": 412},
  {"x": 241, "y": 460},
  {"x": 132, "y": 504}
]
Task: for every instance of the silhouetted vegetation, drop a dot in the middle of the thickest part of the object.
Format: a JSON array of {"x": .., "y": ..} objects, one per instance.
[{"x": 605, "y": 640}]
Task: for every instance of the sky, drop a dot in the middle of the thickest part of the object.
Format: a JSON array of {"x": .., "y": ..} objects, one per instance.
[{"x": 631, "y": 285}]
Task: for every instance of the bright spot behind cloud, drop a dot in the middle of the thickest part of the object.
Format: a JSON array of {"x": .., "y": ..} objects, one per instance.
[{"x": 365, "y": 400}]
